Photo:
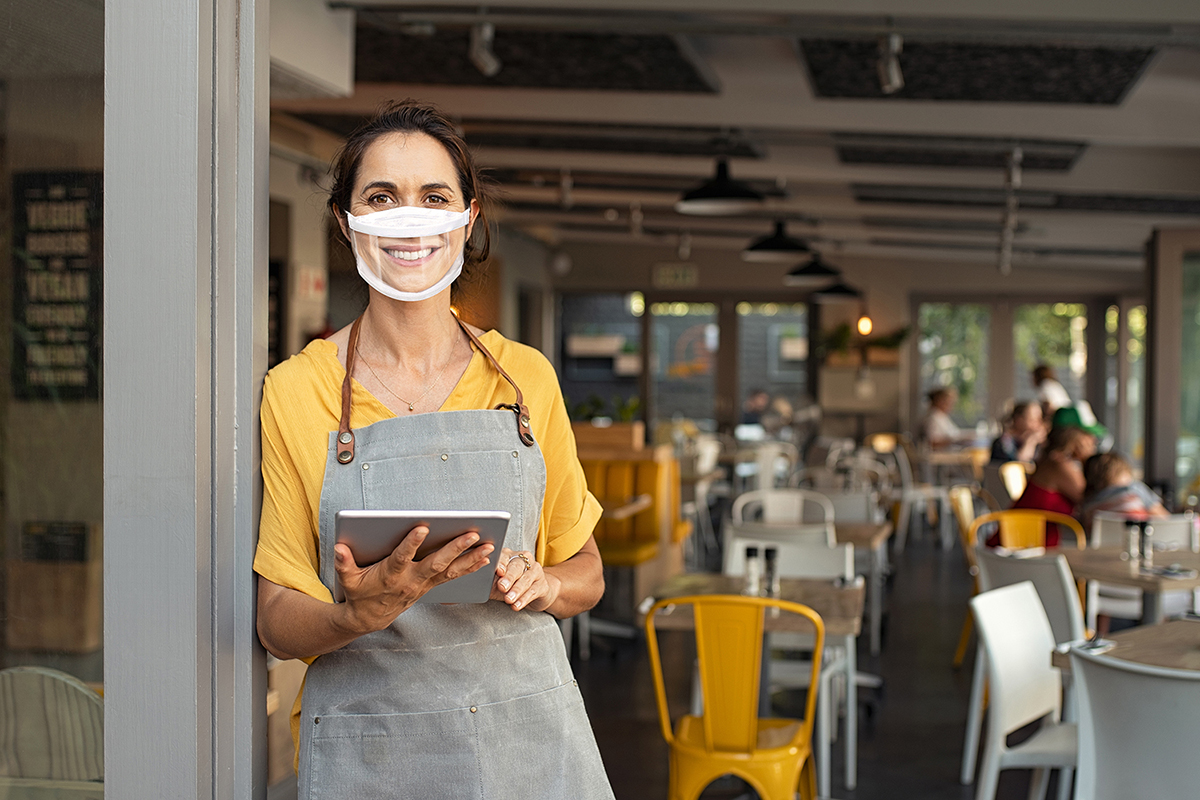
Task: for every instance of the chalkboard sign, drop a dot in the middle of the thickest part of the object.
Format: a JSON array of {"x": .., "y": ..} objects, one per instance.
[
  {"x": 54, "y": 541},
  {"x": 57, "y": 284}
]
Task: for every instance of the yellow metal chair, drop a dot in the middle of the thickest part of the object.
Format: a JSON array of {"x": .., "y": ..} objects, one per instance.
[
  {"x": 773, "y": 755},
  {"x": 1026, "y": 527},
  {"x": 962, "y": 501},
  {"x": 1014, "y": 474}
]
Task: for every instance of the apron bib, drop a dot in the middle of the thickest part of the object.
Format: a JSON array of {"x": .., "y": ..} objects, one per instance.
[{"x": 450, "y": 701}]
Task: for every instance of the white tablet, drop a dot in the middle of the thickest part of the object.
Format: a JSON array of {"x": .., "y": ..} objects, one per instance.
[{"x": 373, "y": 535}]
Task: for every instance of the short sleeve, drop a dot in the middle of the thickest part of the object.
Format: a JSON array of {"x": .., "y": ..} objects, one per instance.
[
  {"x": 287, "y": 539},
  {"x": 569, "y": 511}
]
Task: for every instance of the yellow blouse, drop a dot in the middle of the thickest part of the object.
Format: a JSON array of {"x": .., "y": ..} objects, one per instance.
[{"x": 302, "y": 404}]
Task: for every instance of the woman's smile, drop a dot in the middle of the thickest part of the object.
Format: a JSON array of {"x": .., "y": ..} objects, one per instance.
[{"x": 411, "y": 255}]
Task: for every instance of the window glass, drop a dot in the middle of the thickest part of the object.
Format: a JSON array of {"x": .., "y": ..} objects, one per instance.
[
  {"x": 51, "y": 224},
  {"x": 772, "y": 353},
  {"x": 683, "y": 356},
  {"x": 601, "y": 350},
  {"x": 1053, "y": 334},
  {"x": 1187, "y": 461},
  {"x": 953, "y": 344}
]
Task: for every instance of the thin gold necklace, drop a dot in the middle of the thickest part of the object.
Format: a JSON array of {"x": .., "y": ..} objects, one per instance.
[{"x": 411, "y": 404}]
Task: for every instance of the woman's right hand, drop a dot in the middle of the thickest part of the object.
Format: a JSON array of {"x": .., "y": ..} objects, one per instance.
[{"x": 377, "y": 594}]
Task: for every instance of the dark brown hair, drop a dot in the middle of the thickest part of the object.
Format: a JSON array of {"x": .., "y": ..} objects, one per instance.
[
  {"x": 1062, "y": 439},
  {"x": 410, "y": 116}
]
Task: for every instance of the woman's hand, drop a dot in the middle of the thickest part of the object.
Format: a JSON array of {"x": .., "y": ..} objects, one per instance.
[
  {"x": 523, "y": 583},
  {"x": 377, "y": 594}
]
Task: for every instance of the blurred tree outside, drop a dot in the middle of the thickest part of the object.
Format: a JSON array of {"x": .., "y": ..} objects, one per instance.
[
  {"x": 1054, "y": 334},
  {"x": 953, "y": 343}
]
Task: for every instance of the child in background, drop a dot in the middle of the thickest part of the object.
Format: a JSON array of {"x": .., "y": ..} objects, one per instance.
[{"x": 1111, "y": 487}]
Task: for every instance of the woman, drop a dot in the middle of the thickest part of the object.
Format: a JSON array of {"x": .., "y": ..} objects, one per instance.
[
  {"x": 1057, "y": 482},
  {"x": 937, "y": 428},
  {"x": 406, "y": 700},
  {"x": 1024, "y": 432}
]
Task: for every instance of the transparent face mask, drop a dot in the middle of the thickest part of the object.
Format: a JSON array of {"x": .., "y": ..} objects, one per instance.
[{"x": 409, "y": 253}]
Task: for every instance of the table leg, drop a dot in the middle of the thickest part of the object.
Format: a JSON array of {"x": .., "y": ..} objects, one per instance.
[
  {"x": 878, "y": 565},
  {"x": 851, "y": 712},
  {"x": 1152, "y": 608}
]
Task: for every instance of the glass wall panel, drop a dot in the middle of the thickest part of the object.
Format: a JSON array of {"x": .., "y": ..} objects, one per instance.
[
  {"x": 953, "y": 346},
  {"x": 773, "y": 352},
  {"x": 601, "y": 350},
  {"x": 683, "y": 362},
  {"x": 1187, "y": 454},
  {"x": 1135, "y": 386},
  {"x": 51, "y": 224},
  {"x": 1053, "y": 334}
]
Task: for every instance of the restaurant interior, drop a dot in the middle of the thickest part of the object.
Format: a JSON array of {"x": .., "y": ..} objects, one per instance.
[{"x": 830, "y": 288}]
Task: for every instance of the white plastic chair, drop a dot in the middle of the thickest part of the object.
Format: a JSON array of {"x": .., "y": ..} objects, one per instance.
[
  {"x": 910, "y": 494},
  {"x": 58, "y": 746},
  {"x": 775, "y": 461},
  {"x": 1024, "y": 687},
  {"x": 1051, "y": 578},
  {"x": 1138, "y": 728},
  {"x": 808, "y": 510},
  {"x": 796, "y": 560},
  {"x": 1125, "y": 602}
]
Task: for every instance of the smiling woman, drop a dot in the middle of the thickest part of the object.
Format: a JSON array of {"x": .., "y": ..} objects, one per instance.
[{"x": 409, "y": 699}]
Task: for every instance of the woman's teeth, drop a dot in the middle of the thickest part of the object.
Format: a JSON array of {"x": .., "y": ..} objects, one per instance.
[{"x": 410, "y": 255}]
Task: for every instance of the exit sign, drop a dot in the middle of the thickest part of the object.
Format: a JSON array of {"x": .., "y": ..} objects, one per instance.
[{"x": 675, "y": 276}]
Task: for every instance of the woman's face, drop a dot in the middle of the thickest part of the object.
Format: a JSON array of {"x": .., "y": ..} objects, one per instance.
[
  {"x": 408, "y": 169},
  {"x": 1029, "y": 421},
  {"x": 1085, "y": 448}
]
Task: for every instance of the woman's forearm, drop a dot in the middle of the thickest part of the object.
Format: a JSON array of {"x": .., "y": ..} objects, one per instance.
[
  {"x": 293, "y": 625},
  {"x": 580, "y": 582}
]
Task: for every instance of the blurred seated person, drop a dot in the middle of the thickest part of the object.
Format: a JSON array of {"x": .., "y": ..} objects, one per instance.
[
  {"x": 1050, "y": 393},
  {"x": 776, "y": 419},
  {"x": 1112, "y": 487},
  {"x": 1057, "y": 481},
  {"x": 1024, "y": 431},
  {"x": 937, "y": 428},
  {"x": 755, "y": 404},
  {"x": 1080, "y": 415}
]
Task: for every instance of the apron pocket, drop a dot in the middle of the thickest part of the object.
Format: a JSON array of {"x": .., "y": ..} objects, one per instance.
[{"x": 394, "y": 756}]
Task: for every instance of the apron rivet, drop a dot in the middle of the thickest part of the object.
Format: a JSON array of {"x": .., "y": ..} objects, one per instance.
[
  {"x": 525, "y": 422},
  {"x": 473, "y": 709},
  {"x": 316, "y": 720},
  {"x": 515, "y": 454},
  {"x": 345, "y": 438},
  {"x": 345, "y": 456},
  {"x": 366, "y": 466},
  {"x": 445, "y": 457}
]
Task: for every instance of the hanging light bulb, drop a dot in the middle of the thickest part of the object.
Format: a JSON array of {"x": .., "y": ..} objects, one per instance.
[
  {"x": 814, "y": 273},
  {"x": 865, "y": 325}
]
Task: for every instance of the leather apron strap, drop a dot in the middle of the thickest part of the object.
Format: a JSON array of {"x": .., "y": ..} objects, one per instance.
[{"x": 345, "y": 437}]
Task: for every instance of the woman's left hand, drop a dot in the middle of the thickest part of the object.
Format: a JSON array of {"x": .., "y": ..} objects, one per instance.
[{"x": 522, "y": 583}]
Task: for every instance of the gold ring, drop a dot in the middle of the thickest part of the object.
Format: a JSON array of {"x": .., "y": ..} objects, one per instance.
[{"x": 523, "y": 557}]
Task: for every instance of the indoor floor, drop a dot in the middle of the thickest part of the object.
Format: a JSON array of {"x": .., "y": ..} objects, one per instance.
[{"x": 910, "y": 740}]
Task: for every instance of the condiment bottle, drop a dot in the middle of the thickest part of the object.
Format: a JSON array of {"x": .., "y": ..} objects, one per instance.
[
  {"x": 1147, "y": 545},
  {"x": 771, "y": 577},
  {"x": 753, "y": 587}
]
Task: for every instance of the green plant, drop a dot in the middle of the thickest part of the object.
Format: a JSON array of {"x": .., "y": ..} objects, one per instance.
[{"x": 627, "y": 410}]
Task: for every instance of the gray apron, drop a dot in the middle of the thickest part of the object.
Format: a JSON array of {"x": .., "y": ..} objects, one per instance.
[{"x": 462, "y": 701}]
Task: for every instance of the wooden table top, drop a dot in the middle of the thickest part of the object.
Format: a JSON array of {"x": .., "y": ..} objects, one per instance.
[
  {"x": 1174, "y": 644},
  {"x": 1105, "y": 564},
  {"x": 840, "y": 608},
  {"x": 863, "y": 535}
]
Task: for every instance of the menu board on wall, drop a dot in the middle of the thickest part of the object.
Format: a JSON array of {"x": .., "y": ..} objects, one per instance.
[{"x": 57, "y": 284}]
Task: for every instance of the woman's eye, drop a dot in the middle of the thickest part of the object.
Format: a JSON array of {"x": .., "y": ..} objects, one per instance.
[
  {"x": 436, "y": 199},
  {"x": 379, "y": 199}
]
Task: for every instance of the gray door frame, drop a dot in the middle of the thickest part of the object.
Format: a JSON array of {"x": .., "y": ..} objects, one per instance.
[
  {"x": 185, "y": 166},
  {"x": 1164, "y": 348}
]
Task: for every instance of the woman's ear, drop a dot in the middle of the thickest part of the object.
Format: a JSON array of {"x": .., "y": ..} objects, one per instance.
[
  {"x": 474, "y": 216},
  {"x": 341, "y": 221}
]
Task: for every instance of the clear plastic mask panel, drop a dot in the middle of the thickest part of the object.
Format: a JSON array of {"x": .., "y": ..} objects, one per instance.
[{"x": 409, "y": 253}]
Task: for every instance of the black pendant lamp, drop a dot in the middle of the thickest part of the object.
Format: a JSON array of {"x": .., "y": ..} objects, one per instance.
[
  {"x": 721, "y": 195},
  {"x": 838, "y": 293},
  {"x": 777, "y": 246},
  {"x": 814, "y": 273}
]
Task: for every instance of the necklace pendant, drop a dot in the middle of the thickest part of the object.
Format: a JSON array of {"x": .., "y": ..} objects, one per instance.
[{"x": 410, "y": 406}]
